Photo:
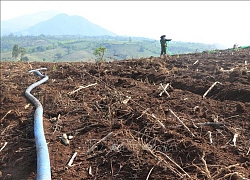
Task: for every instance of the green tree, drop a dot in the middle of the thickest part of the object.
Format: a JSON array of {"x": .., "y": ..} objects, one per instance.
[
  {"x": 68, "y": 49},
  {"x": 25, "y": 58},
  {"x": 22, "y": 51},
  {"x": 99, "y": 53},
  {"x": 141, "y": 49},
  {"x": 40, "y": 49},
  {"x": 58, "y": 55},
  {"x": 15, "y": 51}
]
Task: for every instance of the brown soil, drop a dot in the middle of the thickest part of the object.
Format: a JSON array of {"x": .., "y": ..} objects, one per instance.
[{"x": 147, "y": 140}]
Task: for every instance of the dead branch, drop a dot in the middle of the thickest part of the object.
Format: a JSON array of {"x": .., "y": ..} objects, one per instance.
[
  {"x": 57, "y": 121},
  {"x": 196, "y": 62},
  {"x": 7, "y": 128},
  {"x": 143, "y": 112},
  {"x": 226, "y": 71},
  {"x": 27, "y": 149},
  {"x": 234, "y": 139},
  {"x": 206, "y": 168},
  {"x": 174, "y": 163},
  {"x": 209, "y": 89},
  {"x": 90, "y": 171},
  {"x": 81, "y": 87},
  {"x": 210, "y": 137},
  {"x": 203, "y": 172},
  {"x": 145, "y": 147},
  {"x": 164, "y": 90},
  {"x": 248, "y": 151},
  {"x": 159, "y": 122},
  {"x": 5, "y": 116},
  {"x": 212, "y": 124},
  {"x": 3, "y": 146},
  {"x": 77, "y": 131},
  {"x": 150, "y": 172},
  {"x": 234, "y": 175},
  {"x": 222, "y": 170},
  {"x": 103, "y": 139},
  {"x": 71, "y": 160},
  {"x": 81, "y": 129},
  {"x": 180, "y": 121},
  {"x": 232, "y": 117}
]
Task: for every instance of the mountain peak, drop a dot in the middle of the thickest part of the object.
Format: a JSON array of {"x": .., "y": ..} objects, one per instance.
[
  {"x": 23, "y": 22},
  {"x": 64, "y": 24}
]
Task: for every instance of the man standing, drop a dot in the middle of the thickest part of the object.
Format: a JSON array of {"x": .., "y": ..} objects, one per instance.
[{"x": 163, "y": 42}]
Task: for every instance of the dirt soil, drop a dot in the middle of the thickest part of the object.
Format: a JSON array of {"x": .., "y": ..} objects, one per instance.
[{"x": 123, "y": 125}]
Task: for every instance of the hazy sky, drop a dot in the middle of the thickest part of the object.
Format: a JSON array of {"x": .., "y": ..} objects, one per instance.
[{"x": 223, "y": 22}]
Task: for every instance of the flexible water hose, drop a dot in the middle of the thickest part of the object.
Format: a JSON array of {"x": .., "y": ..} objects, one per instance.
[{"x": 43, "y": 161}]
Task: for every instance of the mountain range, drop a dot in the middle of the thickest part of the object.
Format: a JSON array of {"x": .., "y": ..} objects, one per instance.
[
  {"x": 52, "y": 23},
  {"x": 24, "y": 22}
]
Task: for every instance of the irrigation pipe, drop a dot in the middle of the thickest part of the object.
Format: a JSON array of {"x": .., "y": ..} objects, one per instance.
[{"x": 43, "y": 161}]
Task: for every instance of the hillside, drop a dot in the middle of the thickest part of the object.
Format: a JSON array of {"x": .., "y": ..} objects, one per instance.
[
  {"x": 80, "y": 48},
  {"x": 146, "y": 118}
]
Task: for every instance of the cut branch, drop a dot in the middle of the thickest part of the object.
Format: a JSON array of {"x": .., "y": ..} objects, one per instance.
[
  {"x": 160, "y": 159},
  {"x": 3, "y": 146},
  {"x": 248, "y": 151},
  {"x": 5, "y": 116},
  {"x": 234, "y": 139},
  {"x": 81, "y": 87},
  {"x": 103, "y": 139},
  {"x": 226, "y": 71},
  {"x": 71, "y": 160},
  {"x": 57, "y": 121},
  {"x": 150, "y": 172},
  {"x": 174, "y": 163},
  {"x": 164, "y": 89},
  {"x": 196, "y": 62},
  {"x": 143, "y": 112},
  {"x": 209, "y": 89},
  {"x": 206, "y": 168},
  {"x": 210, "y": 137},
  {"x": 212, "y": 124},
  {"x": 159, "y": 122},
  {"x": 180, "y": 121}
]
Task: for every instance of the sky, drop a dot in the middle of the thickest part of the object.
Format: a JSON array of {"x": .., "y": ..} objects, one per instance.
[{"x": 222, "y": 22}]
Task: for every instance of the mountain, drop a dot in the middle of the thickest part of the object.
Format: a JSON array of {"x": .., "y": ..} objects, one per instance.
[
  {"x": 24, "y": 22},
  {"x": 63, "y": 24}
]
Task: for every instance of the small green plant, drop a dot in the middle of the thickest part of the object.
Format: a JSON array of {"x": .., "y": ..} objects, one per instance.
[
  {"x": 54, "y": 67},
  {"x": 99, "y": 53}
]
